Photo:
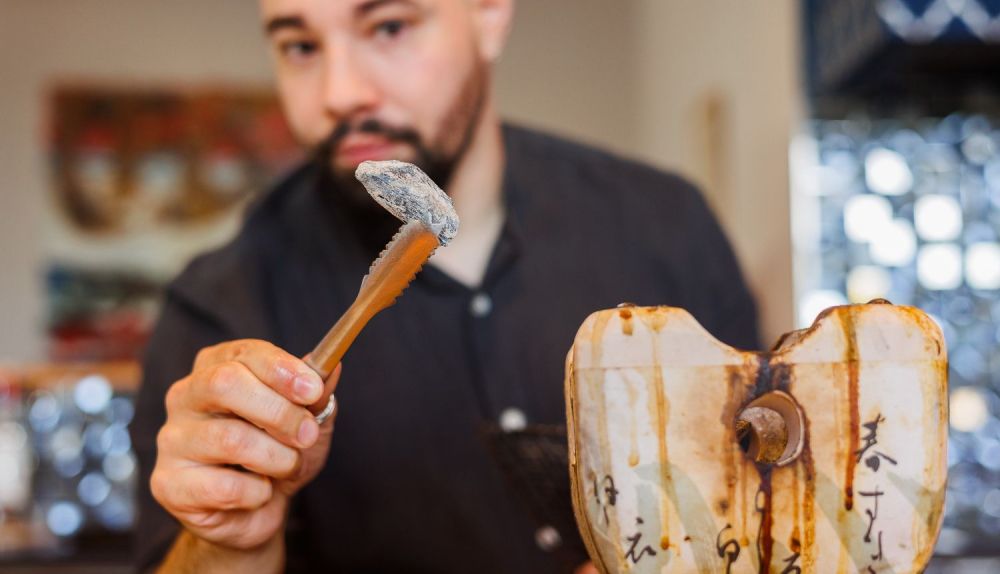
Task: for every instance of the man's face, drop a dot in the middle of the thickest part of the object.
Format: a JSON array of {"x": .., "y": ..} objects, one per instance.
[{"x": 384, "y": 79}]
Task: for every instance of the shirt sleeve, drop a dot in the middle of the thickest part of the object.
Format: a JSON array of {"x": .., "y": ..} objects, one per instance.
[{"x": 178, "y": 336}]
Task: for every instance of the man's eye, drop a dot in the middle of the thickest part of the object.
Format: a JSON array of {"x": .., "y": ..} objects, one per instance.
[
  {"x": 298, "y": 50},
  {"x": 390, "y": 28}
]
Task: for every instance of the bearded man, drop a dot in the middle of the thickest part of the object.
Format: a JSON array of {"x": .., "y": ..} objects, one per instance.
[{"x": 237, "y": 476}]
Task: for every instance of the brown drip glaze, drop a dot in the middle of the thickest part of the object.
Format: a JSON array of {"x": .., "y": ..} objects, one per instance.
[
  {"x": 633, "y": 456},
  {"x": 742, "y": 469},
  {"x": 762, "y": 502},
  {"x": 626, "y": 317},
  {"x": 795, "y": 542},
  {"x": 851, "y": 358},
  {"x": 662, "y": 413},
  {"x": 935, "y": 517},
  {"x": 655, "y": 319},
  {"x": 730, "y": 450},
  {"x": 808, "y": 501}
]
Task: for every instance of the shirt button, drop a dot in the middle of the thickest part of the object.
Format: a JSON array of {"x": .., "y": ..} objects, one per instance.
[
  {"x": 547, "y": 538},
  {"x": 512, "y": 419},
  {"x": 481, "y": 305}
]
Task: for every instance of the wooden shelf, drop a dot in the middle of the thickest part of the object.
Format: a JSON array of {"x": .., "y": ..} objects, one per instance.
[{"x": 124, "y": 376}]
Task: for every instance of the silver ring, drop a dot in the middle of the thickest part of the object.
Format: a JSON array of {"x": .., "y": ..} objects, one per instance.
[{"x": 328, "y": 410}]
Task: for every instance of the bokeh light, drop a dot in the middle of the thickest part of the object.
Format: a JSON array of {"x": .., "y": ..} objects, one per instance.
[
  {"x": 887, "y": 172},
  {"x": 894, "y": 244},
  {"x": 982, "y": 266},
  {"x": 967, "y": 409},
  {"x": 939, "y": 267},
  {"x": 865, "y": 215},
  {"x": 938, "y": 217}
]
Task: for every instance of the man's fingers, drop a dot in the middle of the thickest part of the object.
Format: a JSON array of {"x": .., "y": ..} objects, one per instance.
[
  {"x": 230, "y": 387},
  {"x": 276, "y": 368},
  {"x": 218, "y": 377},
  {"x": 231, "y": 441},
  {"x": 208, "y": 488},
  {"x": 329, "y": 386}
]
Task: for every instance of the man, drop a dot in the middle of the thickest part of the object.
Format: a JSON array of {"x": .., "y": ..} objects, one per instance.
[{"x": 241, "y": 478}]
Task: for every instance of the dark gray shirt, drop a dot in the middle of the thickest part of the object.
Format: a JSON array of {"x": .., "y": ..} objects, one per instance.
[{"x": 410, "y": 485}]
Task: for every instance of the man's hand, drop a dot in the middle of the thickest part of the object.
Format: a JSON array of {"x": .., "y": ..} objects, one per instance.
[{"x": 240, "y": 439}]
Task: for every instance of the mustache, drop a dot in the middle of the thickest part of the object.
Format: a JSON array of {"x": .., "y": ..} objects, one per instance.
[{"x": 369, "y": 126}]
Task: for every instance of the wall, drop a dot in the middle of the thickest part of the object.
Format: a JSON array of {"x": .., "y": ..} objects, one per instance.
[
  {"x": 570, "y": 66},
  {"x": 718, "y": 93},
  {"x": 113, "y": 40}
]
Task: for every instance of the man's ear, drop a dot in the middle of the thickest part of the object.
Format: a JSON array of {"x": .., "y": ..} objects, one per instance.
[{"x": 493, "y": 18}]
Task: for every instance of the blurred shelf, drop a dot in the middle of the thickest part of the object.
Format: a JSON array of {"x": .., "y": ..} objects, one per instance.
[{"x": 124, "y": 376}]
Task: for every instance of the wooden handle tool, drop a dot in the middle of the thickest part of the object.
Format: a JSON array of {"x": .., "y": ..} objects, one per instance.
[
  {"x": 389, "y": 276},
  {"x": 429, "y": 220}
]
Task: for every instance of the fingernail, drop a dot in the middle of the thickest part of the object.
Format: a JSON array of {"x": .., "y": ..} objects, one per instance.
[
  {"x": 306, "y": 387},
  {"x": 308, "y": 431}
]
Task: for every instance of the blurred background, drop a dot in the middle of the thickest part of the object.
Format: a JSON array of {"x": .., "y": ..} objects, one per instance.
[{"x": 851, "y": 149}]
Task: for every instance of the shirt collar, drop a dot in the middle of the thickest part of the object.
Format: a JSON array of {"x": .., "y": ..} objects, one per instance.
[{"x": 511, "y": 239}]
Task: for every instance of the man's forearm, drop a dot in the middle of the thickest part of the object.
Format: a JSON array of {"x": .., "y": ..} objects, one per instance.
[{"x": 192, "y": 554}]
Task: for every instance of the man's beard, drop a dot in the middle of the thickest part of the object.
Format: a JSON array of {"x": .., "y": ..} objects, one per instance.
[{"x": 437, "y": 159}]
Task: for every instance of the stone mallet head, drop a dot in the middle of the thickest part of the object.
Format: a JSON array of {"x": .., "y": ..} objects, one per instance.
[
  {"x": 406, "y": 192},
  {"x": 429, "y": 221}
]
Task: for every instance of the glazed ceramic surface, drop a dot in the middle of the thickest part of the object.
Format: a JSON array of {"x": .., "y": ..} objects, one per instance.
[{"x": 662, "y": 485}]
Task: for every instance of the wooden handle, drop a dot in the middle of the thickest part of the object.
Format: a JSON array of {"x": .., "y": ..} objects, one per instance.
[{"x": 389, "y": 275}]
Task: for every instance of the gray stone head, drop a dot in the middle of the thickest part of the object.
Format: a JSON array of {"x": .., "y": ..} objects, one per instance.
[{"x": 408, "y": 193}]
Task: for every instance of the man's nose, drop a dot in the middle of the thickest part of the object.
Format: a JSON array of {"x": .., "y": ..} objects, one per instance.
[{"x": 348, "y": 88}]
